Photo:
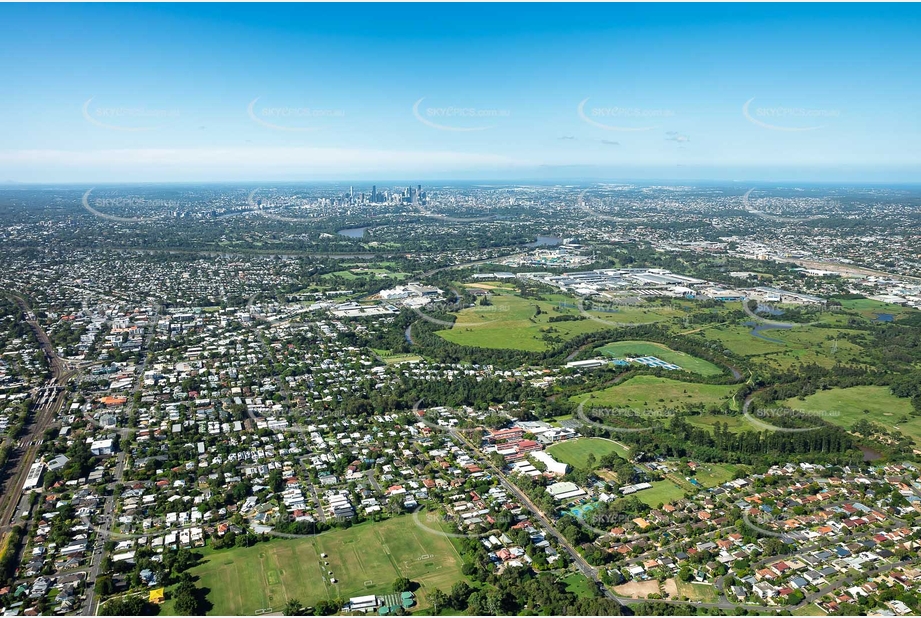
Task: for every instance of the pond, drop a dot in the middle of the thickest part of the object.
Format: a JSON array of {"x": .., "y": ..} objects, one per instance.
[
  {"x": 756, "y": 331},
  {"x": 353, "y": 232},
  {"x": 545, "y": 241},
  {"x": 768, "y": 310}
]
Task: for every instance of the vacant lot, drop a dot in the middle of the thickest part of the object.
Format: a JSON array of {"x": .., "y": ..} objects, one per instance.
[
  {"x": 365, "y": 559},
  {"x": 621, "y": 349},
  {"x": 579, "y": 585},
  {"x": 670, "y": 586},
  {"x": 846, "y": 406},
  {"x": 637, "y": 590},
  {"x": 698, "y": 592},
  {"x": 652, "y": 393},
  {"x": 713, "y": 474},
  {"x": 576, "y": 452},
  {"x": 810, "y": 609}
]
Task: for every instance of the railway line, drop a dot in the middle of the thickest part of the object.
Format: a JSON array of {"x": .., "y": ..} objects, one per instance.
[{"x": 46, "y": 404}]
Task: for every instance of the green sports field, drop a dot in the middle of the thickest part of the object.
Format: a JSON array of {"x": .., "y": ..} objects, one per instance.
[
  {"x": 846, "y": 406},
  {"x": 662, "y": 492},
  {"x": 653, "y": 393},
  {"x": 621, "y": 349},
  {"x": 576, "y": 452},
  {"x": 364, "y": 559},
  {"x": 392, "y": 358}
]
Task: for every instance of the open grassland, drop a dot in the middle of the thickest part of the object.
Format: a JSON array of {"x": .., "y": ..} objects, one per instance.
[
  {"x": 737, "y": 338},
  {"x": 708, "y": 421},
  {"x": 653, "y": 393},
  {"x": 784, "y": 347},
  {"x": 621, "y": 349},
  {"x": 713, "y": 474},
  {"x": 846, "y": 406},
  {"x": 576, "y": 452},
  {"x": 513, "y": 322},
  {"x": 364, "y": 559},
  {"x": 870, "y": 309}
]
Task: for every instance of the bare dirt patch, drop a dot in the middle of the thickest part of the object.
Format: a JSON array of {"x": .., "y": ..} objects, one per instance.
[
  {"x": 671, "y": 588},
  {"x": 638, "y": 590}
]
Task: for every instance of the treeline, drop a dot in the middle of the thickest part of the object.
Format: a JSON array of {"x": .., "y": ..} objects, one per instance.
[
  {"x": 9, "y": 553},
  {"x": 805, "y": 380},
  {"x": 521, "y": 591},
  {"x": 823, "y": 444},
  {"x": 462, "y": 390}
]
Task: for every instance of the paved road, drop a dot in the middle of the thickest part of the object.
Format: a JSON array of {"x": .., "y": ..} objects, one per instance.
[
  {"x": 373, "y": 480},
  {"x": 103, "y": 532},
  {"x": 577, "y": 559},
  {"x": 316, "y": 498}
]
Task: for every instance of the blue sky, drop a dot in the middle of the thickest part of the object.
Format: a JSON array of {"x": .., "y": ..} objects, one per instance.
[{"x": 101, "y": 93}]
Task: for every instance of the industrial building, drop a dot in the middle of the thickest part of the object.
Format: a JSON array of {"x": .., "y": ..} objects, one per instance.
[{"x": 34, "y": 477}]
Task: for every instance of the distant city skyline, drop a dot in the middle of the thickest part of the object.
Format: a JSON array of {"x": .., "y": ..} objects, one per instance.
[{"x": 617, "y": 93}]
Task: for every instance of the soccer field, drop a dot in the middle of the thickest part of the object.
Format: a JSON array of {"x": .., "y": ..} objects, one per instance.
[
  {"x": 364, "y": 559},
  {"x": 575, "y": 452},
  {"x": 662, "y": 492}
]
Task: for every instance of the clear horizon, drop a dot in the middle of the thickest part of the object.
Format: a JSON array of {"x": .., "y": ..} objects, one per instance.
[{"x": 158, "y": 93}]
